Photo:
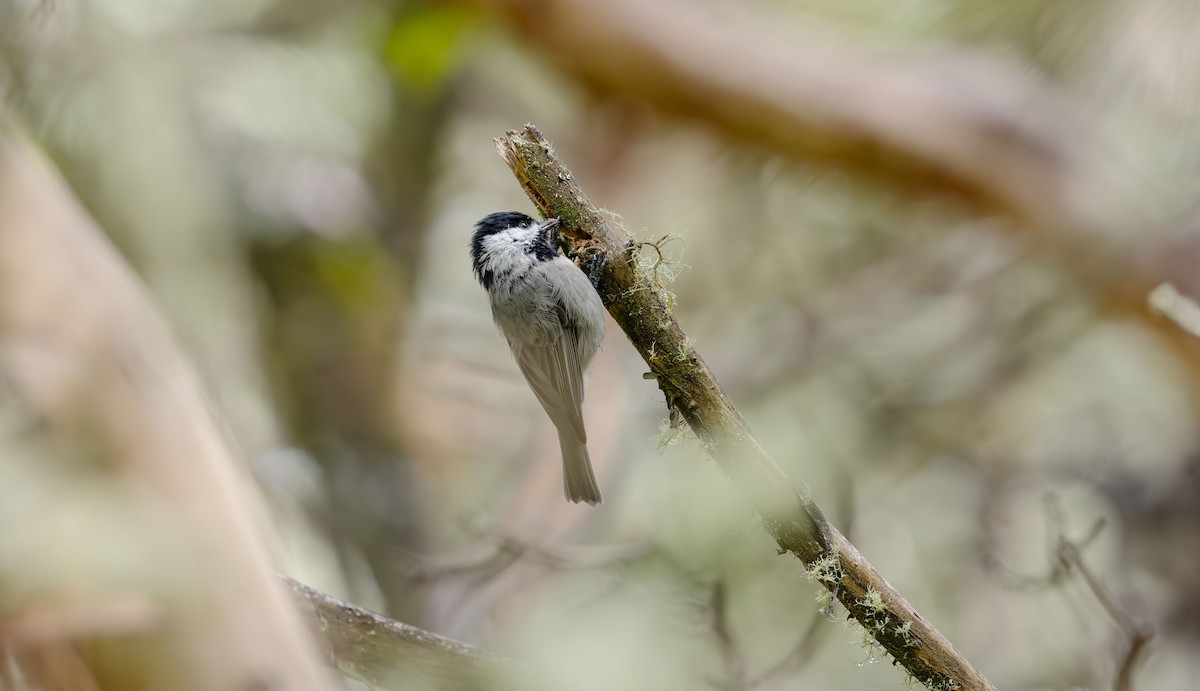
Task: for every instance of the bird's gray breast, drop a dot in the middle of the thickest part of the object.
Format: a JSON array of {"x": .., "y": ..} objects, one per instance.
[{"x": 552, "y": 299}]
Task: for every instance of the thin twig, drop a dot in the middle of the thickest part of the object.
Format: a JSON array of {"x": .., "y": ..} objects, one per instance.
[
  {"x": 734, "y": 661},
  {"x": 790, "y": 516},
  {"x": 800, "y": 653},
  {"x": 505, "y": 550},
  {"x": 1066, "y": 558},
  {"x": 1070, "y": 555}
]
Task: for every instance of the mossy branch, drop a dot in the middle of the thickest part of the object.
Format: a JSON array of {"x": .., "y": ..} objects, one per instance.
[{"x": 691, "y": 390}]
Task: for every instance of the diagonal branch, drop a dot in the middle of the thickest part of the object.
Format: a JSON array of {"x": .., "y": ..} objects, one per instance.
[{"x": 691, "y": 390}]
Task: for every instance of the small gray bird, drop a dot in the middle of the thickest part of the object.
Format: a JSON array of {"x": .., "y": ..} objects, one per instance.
[{"x": 553, "y": 320}]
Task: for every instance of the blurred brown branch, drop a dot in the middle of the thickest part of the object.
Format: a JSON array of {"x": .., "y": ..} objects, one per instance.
[
  {"x": 134, "y": 466},
  {"x": 690, "y": 388},
  {"x": 389, "y": 654},
  {"x": 953, "y": 120}
]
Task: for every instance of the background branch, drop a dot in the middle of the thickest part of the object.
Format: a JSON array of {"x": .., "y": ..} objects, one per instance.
[
  {"x": 690, "y": 388},
  {"x": 390, "y": 654},
  {"x": 954, "y": 120},
  {"x": 1066, "y": 557}
]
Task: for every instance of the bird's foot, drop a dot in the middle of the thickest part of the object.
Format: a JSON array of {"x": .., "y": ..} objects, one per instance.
[{"x": 594, "y": 259}]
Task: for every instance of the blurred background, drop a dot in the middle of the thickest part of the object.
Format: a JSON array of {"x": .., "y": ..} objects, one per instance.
[{"x": 295, "y": 182}]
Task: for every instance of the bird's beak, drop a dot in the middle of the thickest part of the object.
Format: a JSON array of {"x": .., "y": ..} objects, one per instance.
[{"x": 547, "y": 229}]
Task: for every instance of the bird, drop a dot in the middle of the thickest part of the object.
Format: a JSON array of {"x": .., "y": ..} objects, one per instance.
[{"x": 553, "y": 319}]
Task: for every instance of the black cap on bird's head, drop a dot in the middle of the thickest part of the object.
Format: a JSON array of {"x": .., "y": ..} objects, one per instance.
[{"x": 503, "y": 220}]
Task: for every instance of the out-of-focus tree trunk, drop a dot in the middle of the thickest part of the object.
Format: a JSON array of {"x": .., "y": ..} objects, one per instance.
[{"x": 139, "y": 560}]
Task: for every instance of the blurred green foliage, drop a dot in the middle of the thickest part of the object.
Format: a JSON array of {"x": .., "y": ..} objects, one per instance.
[{"x": 427, "y": 43}]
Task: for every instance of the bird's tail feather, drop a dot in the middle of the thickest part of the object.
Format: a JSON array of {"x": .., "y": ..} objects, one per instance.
[{"x": 579, "y": 482}]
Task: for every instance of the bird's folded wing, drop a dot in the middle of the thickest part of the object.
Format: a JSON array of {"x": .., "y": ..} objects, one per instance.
[{"x": 554, "y": 373}]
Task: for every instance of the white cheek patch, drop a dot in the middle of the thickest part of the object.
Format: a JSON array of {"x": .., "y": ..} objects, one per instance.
[{"x": 506, "y": 255}]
